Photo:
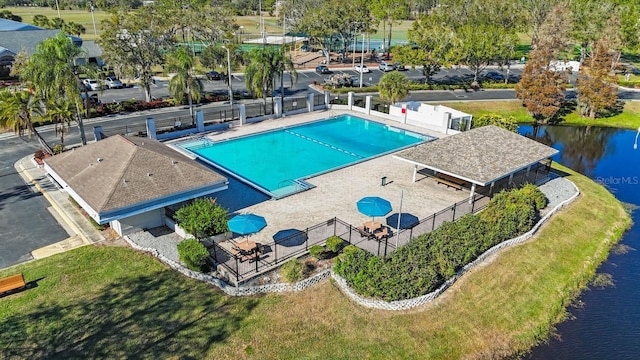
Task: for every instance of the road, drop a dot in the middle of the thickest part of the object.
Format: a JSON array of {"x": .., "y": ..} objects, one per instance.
[{"x": 305, "y": 78}]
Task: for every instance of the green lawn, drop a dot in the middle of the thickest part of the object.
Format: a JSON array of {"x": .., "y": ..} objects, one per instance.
[
  {"x": 97, "y": 302},
  {"x": 83, "y": 17},
  {"x": 629, "y": 118}
]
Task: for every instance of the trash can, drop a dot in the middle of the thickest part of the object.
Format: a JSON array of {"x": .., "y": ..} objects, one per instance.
[{"x": 383, "y": 181}]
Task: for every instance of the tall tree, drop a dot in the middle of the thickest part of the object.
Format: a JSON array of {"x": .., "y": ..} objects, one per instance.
[
  {"x": 6, "y": 14},
  {"x": 134, "y": 42},
  {"x": 184, "y": 82},
  {"x": 536, "y": 12},
  {"x": 588, "y": 19},
  {"x": 50, "y": 71},
  {"x": 61, "y": 112},
  {"x": 393, "y": 86},
  {"x": 389, "y": 12},
  {"x": 16, "y": 113},
  {"x": 430, "y": 43},
  {"x": 597, "y": 84},
  {"x": 265, "y": 64}
]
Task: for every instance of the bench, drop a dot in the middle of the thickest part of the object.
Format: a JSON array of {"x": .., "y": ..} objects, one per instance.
[
  {"x": 450, "y": 181},
  {"x": 245, "y": 256},
  {"x": 10, "y": 283}
]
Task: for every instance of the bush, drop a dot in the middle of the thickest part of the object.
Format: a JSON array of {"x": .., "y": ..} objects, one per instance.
[
  {"x": 334, "y": 244},
  {"x": 532, "y": 192},
  {"x": 193, "y": 254},
  {"x": 203, "y": 218},
  {"x": 317, "y": 251},
  {"x": 293, "y": 271},
  {"x": 58, "y": 149},
  {"x": 425, "y": 263},
  {"x": 508, "y": 123}
]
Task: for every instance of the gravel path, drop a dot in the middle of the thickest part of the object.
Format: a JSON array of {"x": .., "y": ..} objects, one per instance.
[
  {"x": 556, "y": 190},
  {"x": 162, "y": 239}
]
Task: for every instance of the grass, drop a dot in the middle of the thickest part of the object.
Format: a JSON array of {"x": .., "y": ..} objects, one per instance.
[
  {"x": 82, "y": 17},
  {"x": 97, "y": 302},
  {"x": 629, "y": 118}
]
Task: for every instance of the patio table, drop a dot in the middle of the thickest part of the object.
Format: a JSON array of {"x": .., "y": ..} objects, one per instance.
[{"x": 372, "y": 226}]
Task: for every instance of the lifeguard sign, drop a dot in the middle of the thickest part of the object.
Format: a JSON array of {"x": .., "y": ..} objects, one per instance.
[{"x": 404, "y": 110}]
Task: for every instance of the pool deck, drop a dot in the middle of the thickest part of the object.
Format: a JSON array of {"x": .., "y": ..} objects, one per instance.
[{"x": 337, "y": 192}]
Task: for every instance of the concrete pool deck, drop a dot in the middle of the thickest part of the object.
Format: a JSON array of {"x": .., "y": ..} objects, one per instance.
[{"x": 337, "y": 192}]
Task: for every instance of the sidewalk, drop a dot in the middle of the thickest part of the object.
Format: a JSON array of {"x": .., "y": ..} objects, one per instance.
[{"x": 80, "y": 229}]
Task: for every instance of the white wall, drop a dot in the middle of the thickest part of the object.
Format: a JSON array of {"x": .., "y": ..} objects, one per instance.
[{"x": 147, "y": 220}]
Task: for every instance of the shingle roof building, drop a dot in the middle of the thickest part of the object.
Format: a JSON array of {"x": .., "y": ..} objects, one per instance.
[{"x": 123, "y": 176}]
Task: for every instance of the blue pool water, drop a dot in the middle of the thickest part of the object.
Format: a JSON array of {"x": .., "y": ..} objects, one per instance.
[{"x": 271, "y": 161}]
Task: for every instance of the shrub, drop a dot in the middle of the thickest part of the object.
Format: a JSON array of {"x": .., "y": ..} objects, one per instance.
[
  {"x": 203, "y": 218},
  {"x": 58, "y": 149},
  {"x": 317, "y": 251},
  {"x": 532, "y": 192},
  {"x": 508, "y": 123},
  {"x": 334, "y": 244},
  {"x": 193, "y": 254},
  {"x": 425, "y": 263},
  {"x": 293, "y": 271}
]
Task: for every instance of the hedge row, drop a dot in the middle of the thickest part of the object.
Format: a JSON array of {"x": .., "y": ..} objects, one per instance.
[{"x": 424, "y": 264}]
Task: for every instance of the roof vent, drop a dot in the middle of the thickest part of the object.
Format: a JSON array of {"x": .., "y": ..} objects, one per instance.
[
  {"x": 99, "y": 159},
  {"x": 125, "y": 181},
  {"x": 149, "y": 174},
  {"x": 173, "y": 162}
]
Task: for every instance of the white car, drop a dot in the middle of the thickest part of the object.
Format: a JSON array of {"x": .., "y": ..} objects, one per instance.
[
  {"x": 113, "y": 82},
  {"x": 385, "y": 66},
  {"x": 92, "y": 84},
  {"x": 362, "y": 69}
]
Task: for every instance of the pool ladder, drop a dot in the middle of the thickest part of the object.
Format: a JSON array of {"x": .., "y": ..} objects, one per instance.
[{"x": 299, "y": 184}]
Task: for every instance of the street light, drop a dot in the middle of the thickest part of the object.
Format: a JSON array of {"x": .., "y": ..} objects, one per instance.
[
  {"x": 635, "y": 143},
  {"x": 362, "y": 61},
  {"x": 95, "y": 32},
  {"x": 229, "y": 74}
]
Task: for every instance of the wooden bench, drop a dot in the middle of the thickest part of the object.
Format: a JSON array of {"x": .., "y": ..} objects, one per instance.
[
  {"x": 450, "y": 181},
  {"x": 10, "y": 283}
]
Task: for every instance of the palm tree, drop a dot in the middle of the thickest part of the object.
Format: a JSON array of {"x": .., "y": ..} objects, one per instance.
[
  {"x": 61, "y": 113},
  {"x": 184, "y": 82},
  {"x": 393, "y": 86},
  {"x": 264, "y": 65},
  {"x": 16, "y": 112},
  {"x": 53, "y": 75}
]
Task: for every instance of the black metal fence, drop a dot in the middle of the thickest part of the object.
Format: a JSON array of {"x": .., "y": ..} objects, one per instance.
[
  {"x": 286, "y": 245},
  {"x": 318, "y": 99},
  {"x": 293, "y": 104},
  {"x": 339, "y": 100},
  {"x": 127, "y": 130},
  {"x": 380, "y": 105},
  {"x": 360, "y": 101},
  {"x": 221, "y": 114},
  {"x": 258, "y": 109}
]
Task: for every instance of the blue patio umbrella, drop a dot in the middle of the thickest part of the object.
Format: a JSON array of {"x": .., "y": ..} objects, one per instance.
[
  {"x": 374, "y": 206},
  {"x": 246, "y": 224}
]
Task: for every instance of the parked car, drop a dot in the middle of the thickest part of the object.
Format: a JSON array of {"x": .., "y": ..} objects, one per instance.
[
  {"x": 213, "y": 75},
  {"x": 362, "y": 69},
  {"x": 92, "y": 84},
  {"x": 494, "y": 75},
  {"x": 400, "y": 67},
  {"x": 113, "y": 82},
  {"x": 322, "y": 69},
  {"x": 385, "y": 66},
  {"x": 93, "y": 99}
]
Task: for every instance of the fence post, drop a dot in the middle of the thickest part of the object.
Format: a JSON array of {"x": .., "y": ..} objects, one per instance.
[
  {"x": 454, "y": 212},
  {"x": 334, "y": 225},
  {"x": 386, "y": 245},
  {"x": 306, "y": 239},
  {"x": 279, "y": 108},
  {"x": 350, "y": 95},
  {"x": 200, "y": 121},
  {"x": 433, "y": 223},
  {"x": 237, "y": 270},
  {"x": 473, "y": 203},
  {"x": 367, "y": 103},
  {"x": 242, "y": 110},
  {"x": 310, "y": 102},
  {"x": 327, "y": 99},
  {"x": 350, "y": 229},
  {"x": 257, "y": 258}
]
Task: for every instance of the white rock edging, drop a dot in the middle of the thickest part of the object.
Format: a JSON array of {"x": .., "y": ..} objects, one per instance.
[
  {"x": 230, "y": 289},
  {"x": 421, "y": 300}
]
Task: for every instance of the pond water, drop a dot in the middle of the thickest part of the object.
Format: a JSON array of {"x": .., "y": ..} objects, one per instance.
[{"x": 606, "y": 324}]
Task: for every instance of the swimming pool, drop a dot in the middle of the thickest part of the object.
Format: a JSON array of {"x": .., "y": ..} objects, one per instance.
[{"x": 278, "y": 161}]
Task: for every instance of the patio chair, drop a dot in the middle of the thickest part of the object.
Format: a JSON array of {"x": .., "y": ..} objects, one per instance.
[{"x": 364, "y": 232}]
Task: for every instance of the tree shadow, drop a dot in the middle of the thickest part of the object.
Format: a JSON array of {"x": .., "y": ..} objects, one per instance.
[
  {"x": 568, "y": 107},
  {"x": 616, "y": 109},
  {"x": 153, "y": 316},
  {"x": 15, "y": 194}
]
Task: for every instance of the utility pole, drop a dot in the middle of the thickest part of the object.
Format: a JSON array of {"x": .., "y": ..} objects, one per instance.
[
  {"x": 95, "y": 32},
  {"x": 229, "y": 74}
]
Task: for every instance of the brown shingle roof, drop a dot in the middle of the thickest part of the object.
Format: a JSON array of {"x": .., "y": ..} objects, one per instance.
[
  {"x": 481, "y": 155},
  {"x": 119, "y": 171}
]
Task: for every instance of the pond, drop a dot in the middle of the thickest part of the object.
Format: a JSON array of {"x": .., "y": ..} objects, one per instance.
[{"x": 605, "y": 324}]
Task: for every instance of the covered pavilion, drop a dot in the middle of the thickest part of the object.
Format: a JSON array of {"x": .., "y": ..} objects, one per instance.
[{"x": 482, "y": 157}]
